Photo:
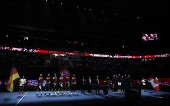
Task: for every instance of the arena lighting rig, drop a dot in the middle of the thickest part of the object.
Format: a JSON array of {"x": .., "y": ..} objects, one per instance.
[{"x": 81, "y": 54}]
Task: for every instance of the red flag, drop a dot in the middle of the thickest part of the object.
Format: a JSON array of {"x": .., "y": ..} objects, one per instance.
[{"x": 154, "y": 83}]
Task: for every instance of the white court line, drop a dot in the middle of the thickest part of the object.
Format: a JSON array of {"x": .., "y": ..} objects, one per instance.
[{"x": 21, "y": 99}]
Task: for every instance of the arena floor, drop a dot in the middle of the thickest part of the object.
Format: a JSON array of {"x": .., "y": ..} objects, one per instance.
[{"x": 29, "y": 98}]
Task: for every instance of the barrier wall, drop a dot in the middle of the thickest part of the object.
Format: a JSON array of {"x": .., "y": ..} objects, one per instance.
[{"x": 162, "y": 81}]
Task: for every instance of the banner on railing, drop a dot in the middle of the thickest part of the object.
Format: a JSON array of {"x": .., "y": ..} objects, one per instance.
[
  {"x": 81, "y": 54},
  {"x": 162, "y": 81}
]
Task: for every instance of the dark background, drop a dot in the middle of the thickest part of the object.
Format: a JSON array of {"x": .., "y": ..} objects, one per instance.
[{"x": 49, "y": 25}]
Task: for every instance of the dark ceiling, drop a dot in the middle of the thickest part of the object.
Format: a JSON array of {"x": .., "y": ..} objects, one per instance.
[{"x": 91, "y": 19}]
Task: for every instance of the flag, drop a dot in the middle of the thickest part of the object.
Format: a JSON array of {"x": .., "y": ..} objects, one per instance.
[
  {"x": 154, "y": 83},
  {"x": 14, "y": 75}
]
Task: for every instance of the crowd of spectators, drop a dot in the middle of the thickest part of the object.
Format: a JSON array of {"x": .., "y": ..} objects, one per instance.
[
  {"x": 27, "y": 64},
  {"x": 32, "y": 64},
  {"x": 45, "y": 42}
]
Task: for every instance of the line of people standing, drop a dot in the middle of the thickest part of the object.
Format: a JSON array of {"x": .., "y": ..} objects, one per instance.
[
  {"x": 57, "y": 84},
  {"x": 121, "y": 83},
  {"x": 87, "y": 83}
]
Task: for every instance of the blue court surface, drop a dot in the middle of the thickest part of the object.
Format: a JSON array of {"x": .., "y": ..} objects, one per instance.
[{"x": 29, "y": 98}]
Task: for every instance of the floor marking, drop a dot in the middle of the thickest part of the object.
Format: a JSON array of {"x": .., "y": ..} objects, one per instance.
[{"x": 21, "y": 99}]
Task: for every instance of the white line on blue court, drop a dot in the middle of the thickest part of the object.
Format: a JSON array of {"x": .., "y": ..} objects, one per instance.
[{"x": 21, "y": 99}]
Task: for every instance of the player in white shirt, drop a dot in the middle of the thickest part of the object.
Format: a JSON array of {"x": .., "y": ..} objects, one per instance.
[
  {"x": 22, "y": 83},
  {"x": 143, "y": 84}
]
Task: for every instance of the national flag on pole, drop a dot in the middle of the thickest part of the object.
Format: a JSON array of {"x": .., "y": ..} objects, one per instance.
[
  {"x": 14, "y": 75},
  {"x": 154, "y": 83}
]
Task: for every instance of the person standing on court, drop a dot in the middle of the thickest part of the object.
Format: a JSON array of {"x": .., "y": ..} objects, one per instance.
[
  {"x": 73, "y": 83},
  {"x": 116, "y": 84},
  {"x": 61, "y": 81},
  {"x": 143, "y": 82},
  {"x": 126, "y": 81},
  {"x": 122, "y": 85},
  {"x": 48, "y": 82},
  {"x": 130, "y": 81},
  {"x": 22, "y": 84},
  {"x": 67, "y": 83},
  {"x": 54, "y": 84},
  {"x": 107, "y": 86},
  {"x": 83, "y": 85},
  {"x": 40, "y": 82},
  {"x": 89, "y": 84},
  {"x": 97, "y": 81}
]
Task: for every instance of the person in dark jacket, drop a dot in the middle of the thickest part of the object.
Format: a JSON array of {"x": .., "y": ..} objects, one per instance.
[
  {"x": 119, "y": 76},
  {"x": 119, "y": 83},
  {"x": 125, "y": 81},
  {"x": 89, "y": 84},
  {"x": 73, "y": 83},
  {"x": 122, "y": 84},
  {"x": 97, "y": 81},
  {"x": 130, "y": 81},
  {"x": 83, "y": 85},
  {"x": 107, "y": 87},
  {"x": 113, "y": 83},
  {"x": 116, "y": 84}
]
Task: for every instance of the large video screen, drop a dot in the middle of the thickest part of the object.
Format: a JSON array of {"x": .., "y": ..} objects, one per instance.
[{"x": 149, "y": 37}]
